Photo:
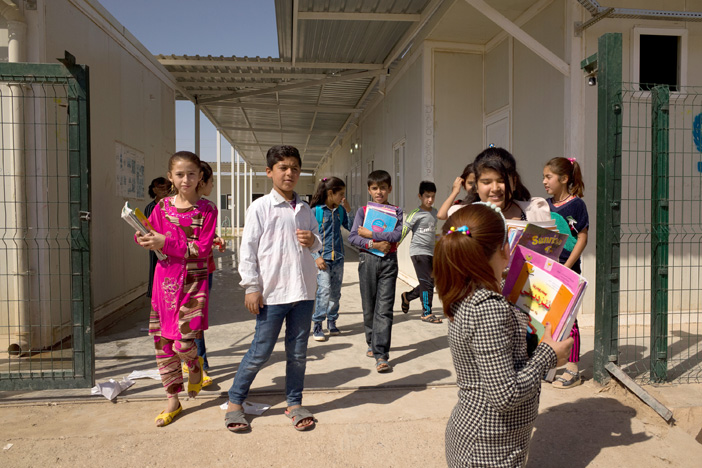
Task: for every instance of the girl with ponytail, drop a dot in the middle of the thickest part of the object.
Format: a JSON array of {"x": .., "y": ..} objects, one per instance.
[
  {"x": 563, "y": 180},
  {"x": 499, "y": 384},
  {"x": 331, "y": 210}
]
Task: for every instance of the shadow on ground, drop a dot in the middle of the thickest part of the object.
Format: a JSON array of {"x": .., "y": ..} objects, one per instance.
[{"x": 560, "y": 440}]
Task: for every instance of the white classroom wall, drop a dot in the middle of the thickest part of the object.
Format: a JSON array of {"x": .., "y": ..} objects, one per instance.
[{"x": 132, "y": 103}]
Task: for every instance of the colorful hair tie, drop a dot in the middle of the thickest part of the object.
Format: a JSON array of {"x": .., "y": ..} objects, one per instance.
[
  {"x": 572, "y": 160},
  {"x": 498, "y": 210},
  {"x": 462, "y": 229},
  {"x": 324, "y": 180}
]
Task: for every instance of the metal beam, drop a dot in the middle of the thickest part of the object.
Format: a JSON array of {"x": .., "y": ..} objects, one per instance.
[
  {"x": 409, "y": 36},
  {"x": 646, "y": 397},
  {"x": 520, "y": 35},
  {"x": 523, "y": 19},
  {"x": 291, "y": 107},
  {"x": 272, "y": 76},
  {"x": 299, "y": 85},
  {"x": 296, "y": 15},
  {"x": 170, "y": 62},
  {"x": 223, "y": 84},
  {"x": 340, "y": 16},
  {"x": 288, "y": 130},
  {"x": 261, "y": 145},
  {"x": 580, "y": 27}
]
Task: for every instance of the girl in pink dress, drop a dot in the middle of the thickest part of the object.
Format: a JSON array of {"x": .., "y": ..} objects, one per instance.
[{"x": 184, "y": 228}]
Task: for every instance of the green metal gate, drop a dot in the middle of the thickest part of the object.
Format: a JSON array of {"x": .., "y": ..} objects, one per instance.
[
  {"x": 46, "y": 323},
  {"x": 649, "y": 225}
]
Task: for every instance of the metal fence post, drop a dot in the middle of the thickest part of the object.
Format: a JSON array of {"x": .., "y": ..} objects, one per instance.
[
  {"x": 79, "y": 167},
  {"x": 660, "y": 100},
  {"x": 609, "y": 170}
]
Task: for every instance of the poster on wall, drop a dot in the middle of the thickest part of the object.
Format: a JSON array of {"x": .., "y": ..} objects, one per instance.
[{"x": 129, "y": 172}]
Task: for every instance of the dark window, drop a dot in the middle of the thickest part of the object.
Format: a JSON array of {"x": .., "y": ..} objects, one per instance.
[{"x": 659, "y": 61}]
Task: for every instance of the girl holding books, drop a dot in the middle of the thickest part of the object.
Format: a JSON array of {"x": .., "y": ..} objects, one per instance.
[
  {"x": 184, "y": 229},
  {"x": 466, "y": 181},
  {"x": 205, "y": 189},
  {"x": 331, "y": 211},
  {"x": 499, "y": 384},
  {"x": 497, "y": 181},
  {"x": 564, "y": 182}
]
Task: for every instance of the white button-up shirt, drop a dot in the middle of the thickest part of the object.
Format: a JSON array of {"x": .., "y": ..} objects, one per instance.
[{"x": 272, "y": 260}]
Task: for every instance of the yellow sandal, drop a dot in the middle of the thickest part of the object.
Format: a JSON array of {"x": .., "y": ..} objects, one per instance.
[
  {"x": 206, "y": 379},
  {"x": 196, "y": 387},
  {"x": 168, "y": 418}
]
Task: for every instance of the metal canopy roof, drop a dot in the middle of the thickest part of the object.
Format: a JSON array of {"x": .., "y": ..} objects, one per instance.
[{"x": 333, "y": 53}]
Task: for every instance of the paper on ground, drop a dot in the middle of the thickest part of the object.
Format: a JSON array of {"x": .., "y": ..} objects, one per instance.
[
  {"x": 250, "y": 408},
  {"x": 112, "y": 388},
  {"x": 144, "y": 374}
]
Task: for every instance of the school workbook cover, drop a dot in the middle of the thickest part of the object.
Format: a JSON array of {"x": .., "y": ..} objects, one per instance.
[
  {"x": 379, "y": 218},
  {"x": 541, "y": 240},
  {"x": 546, "y": 290}
]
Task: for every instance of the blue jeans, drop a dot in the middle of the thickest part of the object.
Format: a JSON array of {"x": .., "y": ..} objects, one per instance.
[
  {"x": 329, "y": 291},
  {"x": 377, "y": 277},
  {"x": 269, "y": 321}
]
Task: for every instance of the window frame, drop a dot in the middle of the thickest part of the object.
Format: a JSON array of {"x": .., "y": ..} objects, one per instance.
[{"x": 637, "y": 32}]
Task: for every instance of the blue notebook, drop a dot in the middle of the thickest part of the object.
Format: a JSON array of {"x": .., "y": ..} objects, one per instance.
[{"x": 379, "y": 218}]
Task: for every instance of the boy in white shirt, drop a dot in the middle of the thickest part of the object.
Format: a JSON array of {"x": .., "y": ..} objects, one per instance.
[{"x": 280, "y": 277}]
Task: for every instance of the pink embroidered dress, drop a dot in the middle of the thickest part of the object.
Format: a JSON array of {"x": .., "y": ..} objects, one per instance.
[{"x": 180, "y": 294}]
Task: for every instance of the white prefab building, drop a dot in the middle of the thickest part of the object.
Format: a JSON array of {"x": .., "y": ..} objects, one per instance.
[
  {"x": 132, "y": 135},
  {"x": 509, "y": 73},
  {"x": 419, "y": 89}
]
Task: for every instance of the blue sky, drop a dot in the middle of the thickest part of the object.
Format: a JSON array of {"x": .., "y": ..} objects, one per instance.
[{"x": 203, "y": 27}]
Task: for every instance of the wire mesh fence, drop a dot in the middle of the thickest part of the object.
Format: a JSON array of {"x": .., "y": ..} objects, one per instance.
[
  {"x": 660, "y": 299},
  {"x": 42, "y": 331}
]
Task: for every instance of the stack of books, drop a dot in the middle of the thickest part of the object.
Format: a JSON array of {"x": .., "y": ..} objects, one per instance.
[{"x": 136, "y": 219}]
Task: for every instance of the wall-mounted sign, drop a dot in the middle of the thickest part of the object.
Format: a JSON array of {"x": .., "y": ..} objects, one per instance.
[{"x": 129, "y": 172}]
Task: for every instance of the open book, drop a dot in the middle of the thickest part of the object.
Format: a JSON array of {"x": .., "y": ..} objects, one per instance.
[
  {"x": 546, "y": 290},
  {"x": 379, "y": 218},
  {"x": 136, "y": 219}
]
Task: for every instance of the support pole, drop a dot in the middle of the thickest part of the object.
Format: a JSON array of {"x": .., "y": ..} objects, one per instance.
[
  {"x": 246, "y": 205},
  {"x": 219, "y": 184},
  {"x": 660, "y": 101},
  {"x": 197, "y": 129},
  {"x": 16, "y": 30},
  {"x": 231, "y": 196},
  {"x": 609, "y": 194},
  {"x": 238, "y": 193}
]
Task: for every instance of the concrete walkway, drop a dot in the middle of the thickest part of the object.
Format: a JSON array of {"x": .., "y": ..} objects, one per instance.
[{"x": 364, "y": 418}]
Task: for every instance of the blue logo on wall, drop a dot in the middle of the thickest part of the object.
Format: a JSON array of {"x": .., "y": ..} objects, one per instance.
[{"x": 697, "y": 137}]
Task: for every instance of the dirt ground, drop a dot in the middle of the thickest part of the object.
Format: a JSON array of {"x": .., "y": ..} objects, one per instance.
[
  {"x": 365, "y": 419},
  {"x": 602, "y": 427}
]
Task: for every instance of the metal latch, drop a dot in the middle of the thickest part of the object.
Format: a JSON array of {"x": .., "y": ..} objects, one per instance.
[{"x": 84, "y": 215}]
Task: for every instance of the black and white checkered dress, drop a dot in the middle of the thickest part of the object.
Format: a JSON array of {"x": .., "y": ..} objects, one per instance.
[{"x": 499, "y": 386}]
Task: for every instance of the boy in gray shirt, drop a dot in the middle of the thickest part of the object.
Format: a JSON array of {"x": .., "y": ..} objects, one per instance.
[{"x": 422, "y": 223}]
